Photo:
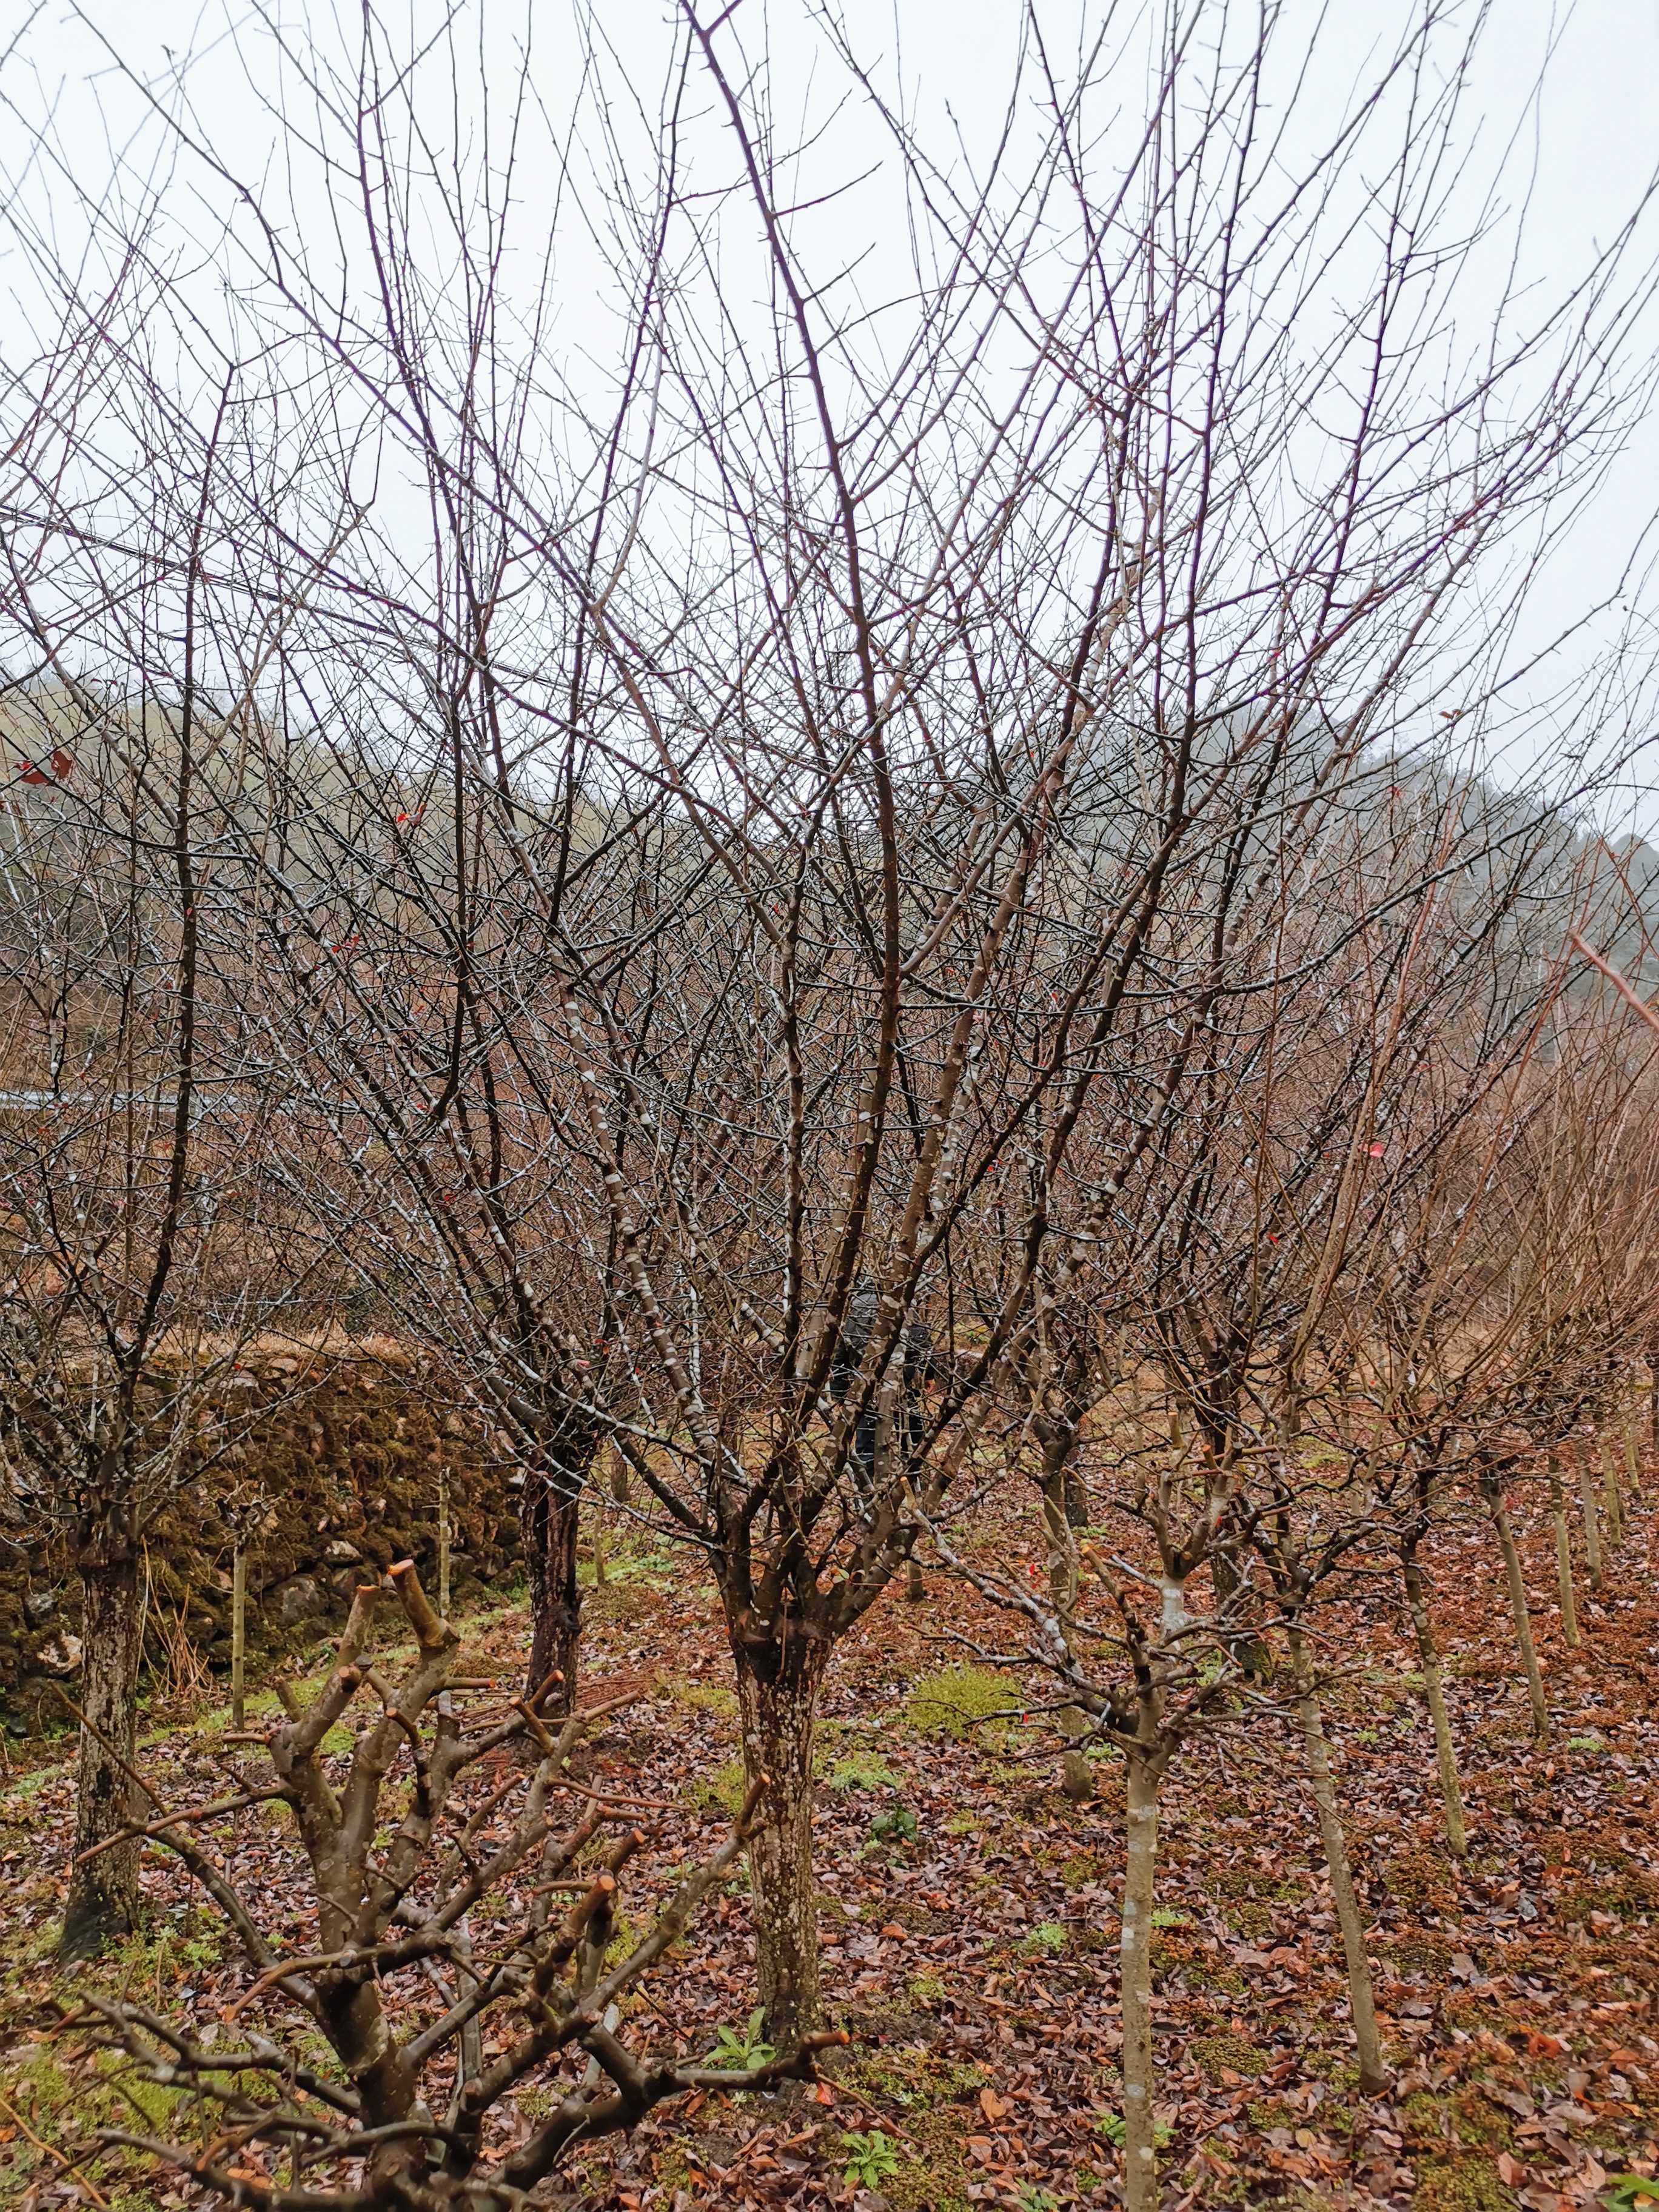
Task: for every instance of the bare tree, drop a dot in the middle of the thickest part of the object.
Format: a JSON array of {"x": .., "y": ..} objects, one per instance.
[
  {"x": 399, "y": 2118},
  {"x": 847, "y": 735}
]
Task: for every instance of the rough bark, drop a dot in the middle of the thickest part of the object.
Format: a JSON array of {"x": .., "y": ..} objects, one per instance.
[
  {"x": 1434, "y": 1696},
  {"x": 779, "y": 1680},
  {"x": 1564, "y": 1563},
  {"x": 1541, "y": 1713},
  {"x": 550, "y": 1522},
  {"x": 1373, "y": 2068},
  {"x": 1250, "y": 1651},
  {"x": 1076, "y": 1498},
  {"x": 1146, "y": 1779},
  {"x": 103, "y": 1896},
  {"x": 1592, "y": 1521},
  {"x": 1076, "y": 1774}
]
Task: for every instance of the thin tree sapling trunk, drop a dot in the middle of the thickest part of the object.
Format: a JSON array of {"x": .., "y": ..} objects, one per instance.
[
  {"x": 238, "y": 1630},
  {"x": 1500, "y": 1515},
  {"x": 1077, "y": 1775},
  {"x": 1373, "y": 2068},
  {"x": 443, "y": 1539},
  {"x": 1610, "y": 1494},
  {"x": 1632, "y": 1447},
  {"x": 1145, "y": 1785},
  {"x": 1592, "y": 1522},
  {"x": 1563, "y": 1560},
  {"x": 1429, "y": 1656}
]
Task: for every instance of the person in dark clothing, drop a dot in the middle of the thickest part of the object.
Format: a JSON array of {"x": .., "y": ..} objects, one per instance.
[{"x": 863, "y": 1311}]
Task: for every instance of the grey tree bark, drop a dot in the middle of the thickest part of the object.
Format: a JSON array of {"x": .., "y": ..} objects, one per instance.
[
  {"x": 1563, "y": 1560},
  {"x": 1540, "y": 1714},
  {"x": 778, "y": 1687},
  {"x": 103, "y": 1894},
  {"x": 1145, "y": 1786},
  {"x": 1592, "y": 1520}
]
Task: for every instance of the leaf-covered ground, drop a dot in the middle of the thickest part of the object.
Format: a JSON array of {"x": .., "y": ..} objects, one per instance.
[{"x": 969, "y": 1922}]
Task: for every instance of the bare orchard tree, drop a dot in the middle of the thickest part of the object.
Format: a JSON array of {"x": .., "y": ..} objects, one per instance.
[
  {"x": 138, "y": 1253},
  {"x": 1144, "y": 1680},
  {"x": 851, "y": 696},
  {"x": 426, "y": 2039},
  {"x": 1500, "y": 1285}
]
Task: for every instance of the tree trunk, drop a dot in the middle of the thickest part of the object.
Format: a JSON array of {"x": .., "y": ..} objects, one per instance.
[
  {"x": 1172, "y": 1611},
  {"x": 1145, "y": 1780},
  {"x": 1445, "y": 1754},
  {"x": 443, "y": 1539},
  {"x": 1076, "y": 1497},
  {"x": 103, "y": 1895},
  {"x": 1373, "y": 2068},
  {"x": 1632, "y": 1448},
  {"x": 1592, "y": 1524},
  {"x": 1063, "y": 1489},
  {"x": 778, "y": 1684},
  {"x": 1610, "y": 1495},
  {"x": 1564, "y": 1562},
  {"x": 1249, "y": 1650},
  {"x": 1541, "y": 1712},
  {"x": 1077, "y": 1775},
  {"x": 239, "y": 1634},
  {"x": 549, "y": 1523}
]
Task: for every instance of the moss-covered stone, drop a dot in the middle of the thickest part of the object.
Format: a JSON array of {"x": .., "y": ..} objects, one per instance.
[{"x": 345, "y": 1462}]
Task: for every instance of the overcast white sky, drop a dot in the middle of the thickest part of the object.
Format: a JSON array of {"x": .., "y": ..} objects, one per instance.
[{"x": 1581, "y": 157}]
